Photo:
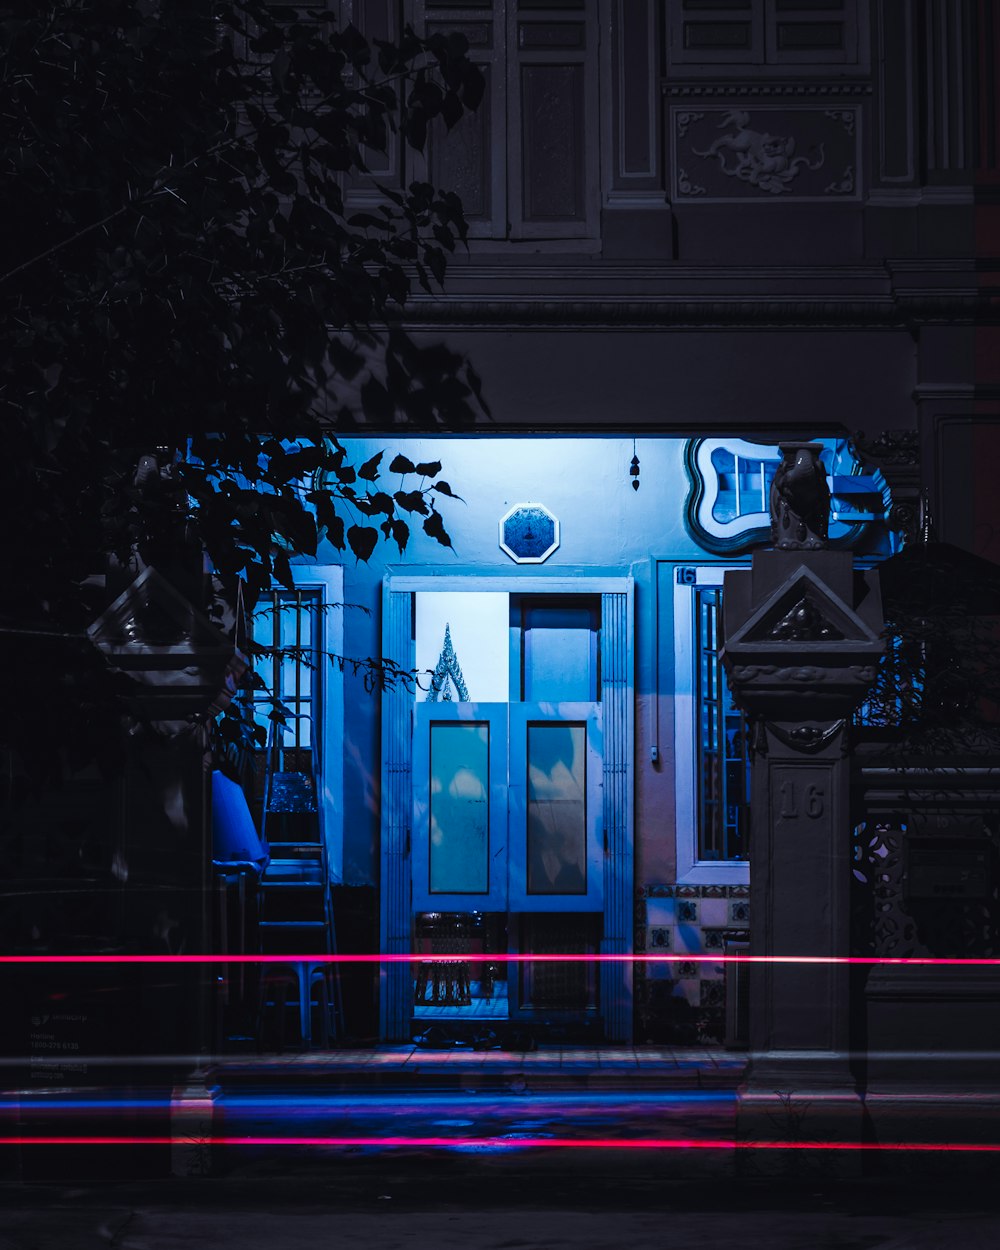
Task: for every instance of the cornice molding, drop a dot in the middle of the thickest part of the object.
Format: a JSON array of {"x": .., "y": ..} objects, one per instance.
[
  {"x": 823, "y": 309},
  {"x": 675, "y": 89}
]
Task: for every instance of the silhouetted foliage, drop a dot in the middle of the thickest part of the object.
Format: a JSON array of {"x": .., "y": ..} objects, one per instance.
[
  {"x": 182, "y": 273},
  {"x": 937, "y": 689}
]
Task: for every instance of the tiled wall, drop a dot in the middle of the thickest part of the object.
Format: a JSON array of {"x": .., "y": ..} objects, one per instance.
[{"x": 684, "y": 1001}]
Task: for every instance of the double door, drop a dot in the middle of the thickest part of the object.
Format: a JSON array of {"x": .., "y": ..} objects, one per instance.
[{"x": 508, "y": 812}]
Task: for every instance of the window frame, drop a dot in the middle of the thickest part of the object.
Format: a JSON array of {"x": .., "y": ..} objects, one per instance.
[
  {"x": 328, "y": 694},
  {"x": 507, "y": 56},
  {"x": 690, "y": 870},
  {"x": 762, "y": 55}
]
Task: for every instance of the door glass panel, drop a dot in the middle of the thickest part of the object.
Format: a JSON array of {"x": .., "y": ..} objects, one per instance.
[
  {"x": 459, "y": 807},
  {"x": 557, "y": 817}
]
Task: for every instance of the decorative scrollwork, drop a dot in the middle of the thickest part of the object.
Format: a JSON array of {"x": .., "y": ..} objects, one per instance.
[
  {"x": 844, "y": 185},
  {"x": 686, "y": 186},
  {"x": 889, "y": 923},
  {"x": 801, "y": 674},
  {"x": 891, "y": 447},
  {"x": 846, "y": 117},
  {"x": 684, "y": 120}
]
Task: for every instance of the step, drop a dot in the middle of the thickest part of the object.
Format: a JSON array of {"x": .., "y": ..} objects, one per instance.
[
  {"x": 291, "y": 870},
  {"x": 291, "y": 885},
  {"x": 293, "y": 924},
  {"x": 462, "y": 1069}
]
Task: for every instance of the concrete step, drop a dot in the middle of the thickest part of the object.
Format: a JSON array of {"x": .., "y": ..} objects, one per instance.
[{"x": 466, "y": 1069}]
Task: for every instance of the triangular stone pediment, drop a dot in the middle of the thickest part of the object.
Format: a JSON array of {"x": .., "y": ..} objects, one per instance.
[
  {"x": 151, "y": 617},
  {"x": 803, "y": 610}
]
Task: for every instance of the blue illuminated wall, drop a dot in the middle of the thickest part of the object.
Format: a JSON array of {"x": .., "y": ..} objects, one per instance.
[{"x": 605, "y": 527}]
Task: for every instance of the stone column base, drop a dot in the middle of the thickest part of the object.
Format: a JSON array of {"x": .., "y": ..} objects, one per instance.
[
  {"x": 800, "y": 1132},
  {"x": 807, "y": 1099}
]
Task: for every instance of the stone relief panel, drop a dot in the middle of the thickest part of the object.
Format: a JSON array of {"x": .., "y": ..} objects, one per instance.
[{"x": 726, "y": 154}]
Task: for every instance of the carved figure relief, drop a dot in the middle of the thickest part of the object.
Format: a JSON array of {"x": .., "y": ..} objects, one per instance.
[
  {"x": 766, "y": 153},
  {"x": 758, "y": 157}
]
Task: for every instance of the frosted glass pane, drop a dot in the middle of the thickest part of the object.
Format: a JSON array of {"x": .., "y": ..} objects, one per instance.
[
  {"x": 287, "y": 622},
  {"x": 459, "y": 808},
  {"x": 557, "y": 810},
  {"x": 263, "y": 623}
]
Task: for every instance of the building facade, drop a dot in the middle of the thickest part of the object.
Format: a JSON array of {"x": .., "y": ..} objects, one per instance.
[{"x": 698, "y": 229}]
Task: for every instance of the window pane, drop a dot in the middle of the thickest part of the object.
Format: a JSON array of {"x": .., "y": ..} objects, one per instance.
[
  {"x": 557, "y": 812},
  {"x": 477, "y": 622},
  {"x": 723, "y": 764},
  {"x": 459, "y": 808}
]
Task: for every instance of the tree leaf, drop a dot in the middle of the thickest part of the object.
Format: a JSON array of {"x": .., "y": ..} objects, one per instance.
[
  {"x": 400, "y": 464},
  {"x": 400, "y": 532},
  {"x": 369, "y": 470},
  {"x": 374, "y": 504},
  {"x": 363, "y": 540},
  {"x": 434, "y": 525},
  {"x": 411, "y": 501}
]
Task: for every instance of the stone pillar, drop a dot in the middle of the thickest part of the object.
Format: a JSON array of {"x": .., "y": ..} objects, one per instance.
[{"x": 802, "y": 639}]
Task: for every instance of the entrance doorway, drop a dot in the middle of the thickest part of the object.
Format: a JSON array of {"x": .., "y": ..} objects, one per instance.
[{"x": 507, "y": 822}]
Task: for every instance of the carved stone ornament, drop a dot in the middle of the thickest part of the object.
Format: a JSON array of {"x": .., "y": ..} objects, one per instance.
[
  {"x": 890, "y": 448},
  {"x": 897, "y": 454},
  {"x": 792, "y": 680},
  {"x": 804, "y": 623},
  {"x": 807, "y": 739},
  {"x": 800, "y": 499},
  {"x": 802, "y": 674},
  {"x": 765, "y": 152},
  {"x": 757, "y": 157}
]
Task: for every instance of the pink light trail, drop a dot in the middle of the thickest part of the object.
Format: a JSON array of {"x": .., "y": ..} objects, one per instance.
[
  {"x": 425, "y": 957},
  {"x": 573, "y": 1143}
]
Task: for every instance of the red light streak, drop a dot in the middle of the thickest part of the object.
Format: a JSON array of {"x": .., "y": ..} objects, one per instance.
[
  {"x": 572, "y": 1143},
  {"x": 426, "y": 957}
]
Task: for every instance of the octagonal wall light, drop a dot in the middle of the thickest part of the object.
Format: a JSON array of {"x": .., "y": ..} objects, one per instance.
[{"x": 529, "y": 533}]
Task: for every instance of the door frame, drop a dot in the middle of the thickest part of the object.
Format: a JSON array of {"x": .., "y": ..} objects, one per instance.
[{"x": 618, "y": 707}]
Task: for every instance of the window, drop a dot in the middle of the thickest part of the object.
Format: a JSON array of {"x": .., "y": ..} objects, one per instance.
[
  {"x": 522, "y": 162},
  {"x": 711, "y": 749},
  {"x": 285, "y": 624},
  {"x": 764, "y": 32},
  {"x": 723, "y": 764},
  {"x": 301, "y": 629}
]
